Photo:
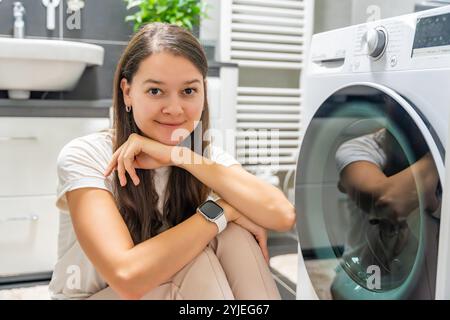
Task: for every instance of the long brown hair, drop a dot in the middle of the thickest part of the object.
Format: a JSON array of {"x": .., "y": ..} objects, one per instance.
[{"x": 184, "y": 193}]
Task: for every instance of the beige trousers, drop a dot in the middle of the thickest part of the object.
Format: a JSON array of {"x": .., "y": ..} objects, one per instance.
[{"x": 230, "y": 267}]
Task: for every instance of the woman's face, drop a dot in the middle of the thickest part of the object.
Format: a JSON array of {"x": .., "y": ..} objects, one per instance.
[{"x": 167, "y": 97}]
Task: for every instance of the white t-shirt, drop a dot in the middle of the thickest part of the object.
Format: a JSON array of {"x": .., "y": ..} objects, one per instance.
[
  {"x": 365, "y": 148},
  {"x": 81, "y": 164}
]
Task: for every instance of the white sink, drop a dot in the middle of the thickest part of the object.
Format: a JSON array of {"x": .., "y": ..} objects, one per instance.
[{"x": 44, "y": 65}]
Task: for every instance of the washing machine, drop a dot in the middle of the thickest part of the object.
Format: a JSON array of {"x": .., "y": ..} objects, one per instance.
[{"x": 379, "y": 90}]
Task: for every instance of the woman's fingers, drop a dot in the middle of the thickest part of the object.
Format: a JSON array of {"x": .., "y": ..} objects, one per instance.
[
  {"x": 124, "y": 160},
  {"x": 121, "y": 173},
  {"x": 131, "y": 171},
  {"x": 121, "y": 169},
  {"x": 138, "y": 153},
  {"x": 265, "y": 252},
  {"x": 262, "y": 241},
  {"x": 258, "y": 232},
  {"x": 129, "y": 161},
  {"x": 113, "y": 163},
  {"x": 111, "y": 166}
]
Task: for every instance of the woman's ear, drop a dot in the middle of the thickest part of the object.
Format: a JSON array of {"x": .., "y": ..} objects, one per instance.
[{"x": 126, "y": 91}]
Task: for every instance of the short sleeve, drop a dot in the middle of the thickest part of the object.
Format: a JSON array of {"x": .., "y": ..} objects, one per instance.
[
  {"x": 222, "y": 157},
  {"x": 363, "y": 148},
  {"x": 81, "y": 164}
]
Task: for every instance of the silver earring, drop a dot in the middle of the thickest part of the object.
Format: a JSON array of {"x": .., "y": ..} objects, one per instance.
[{"x": 128, "y": 108}]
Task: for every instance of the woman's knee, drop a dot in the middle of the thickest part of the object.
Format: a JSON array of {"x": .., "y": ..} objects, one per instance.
[
  {"x": 244, "y": 264},
  {"x": 234, "y": 232},
  {"x": 203, "y": 278}
]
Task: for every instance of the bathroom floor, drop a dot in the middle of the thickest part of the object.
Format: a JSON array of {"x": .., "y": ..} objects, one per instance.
[
  {"x": 34, "y": 292},
  {"x": 283, "y": 249}
]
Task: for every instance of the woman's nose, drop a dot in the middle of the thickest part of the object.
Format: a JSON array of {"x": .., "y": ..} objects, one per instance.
[{"x": 173, "y": 107}]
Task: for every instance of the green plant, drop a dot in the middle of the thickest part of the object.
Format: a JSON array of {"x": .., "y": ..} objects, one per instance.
[{"x": 184, "y": 13}]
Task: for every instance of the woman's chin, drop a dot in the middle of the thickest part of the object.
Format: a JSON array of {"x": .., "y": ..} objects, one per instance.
[
  {"x": 171, "y": 143},
  {"x": 168, "y": 141}
]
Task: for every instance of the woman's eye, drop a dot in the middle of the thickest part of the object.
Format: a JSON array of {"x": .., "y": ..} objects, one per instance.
[
  {"x": 154, "y": 91},
  {"x": 189, "y": 91}
]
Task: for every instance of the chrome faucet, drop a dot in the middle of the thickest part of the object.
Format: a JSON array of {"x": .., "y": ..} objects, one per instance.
[{"x": 19, "y": 24}]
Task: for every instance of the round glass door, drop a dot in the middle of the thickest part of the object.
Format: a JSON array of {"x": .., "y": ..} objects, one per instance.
[{"x": 368, "y": 198}]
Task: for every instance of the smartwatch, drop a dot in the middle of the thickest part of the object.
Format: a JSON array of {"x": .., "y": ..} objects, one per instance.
[{"x": 213, "y": 213}]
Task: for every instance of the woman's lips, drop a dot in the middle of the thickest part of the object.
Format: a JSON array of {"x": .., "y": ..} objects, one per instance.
[{"x": 170, "y": 125}]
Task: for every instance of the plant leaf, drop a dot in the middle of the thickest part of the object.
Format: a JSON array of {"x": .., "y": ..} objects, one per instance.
[
  {"x": 159, "y": 10},
  {"x": 185, "y": 13},
  {"x": 187, "y": 23},
  {"x": 130, "y": 18},
  {"x": 133, "y": 3}
]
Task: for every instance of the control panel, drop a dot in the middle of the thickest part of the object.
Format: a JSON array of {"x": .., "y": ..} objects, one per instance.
[
  {"x": 415, "y": 41},
  {"x": 432, "y": 35}
]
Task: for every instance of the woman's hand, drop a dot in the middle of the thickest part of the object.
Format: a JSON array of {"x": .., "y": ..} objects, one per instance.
[
  {"x": 256, "y": 230},
  {"x": 139, "y": 152},
  {"x": 399, "y": 195}
]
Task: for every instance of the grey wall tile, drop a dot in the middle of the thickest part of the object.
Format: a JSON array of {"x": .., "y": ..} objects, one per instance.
[
  {"x": 97, "y": 82},
  {"x": 102, "y": 20}
]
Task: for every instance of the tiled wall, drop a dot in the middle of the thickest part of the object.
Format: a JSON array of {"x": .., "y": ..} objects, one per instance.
[{"x": 102, "y": 23}]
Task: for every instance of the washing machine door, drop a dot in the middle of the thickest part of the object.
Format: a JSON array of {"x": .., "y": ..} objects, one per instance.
[{"x": 368, "y": 193}]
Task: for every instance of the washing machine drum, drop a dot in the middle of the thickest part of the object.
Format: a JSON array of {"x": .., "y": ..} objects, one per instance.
[{"x": 368, "y": 198}]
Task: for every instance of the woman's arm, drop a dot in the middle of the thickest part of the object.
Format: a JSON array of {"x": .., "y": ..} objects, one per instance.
[
  {"x": 362, "y": 181},
  {"x": 367, "y": 185},
  {"x": 261, "y": 202},
  {"x": 132, "y": 270},
  {"x": 362, "y": 178},
  {"x": 400, "y": 193}
]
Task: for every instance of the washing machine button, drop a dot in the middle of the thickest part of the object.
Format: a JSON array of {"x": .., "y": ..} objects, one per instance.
[
  {"x": 393, "y": 61},
  {"x": 376, "y": 42}
]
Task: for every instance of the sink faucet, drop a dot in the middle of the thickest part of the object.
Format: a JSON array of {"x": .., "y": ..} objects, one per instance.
[{"x": 19, "y": 24}]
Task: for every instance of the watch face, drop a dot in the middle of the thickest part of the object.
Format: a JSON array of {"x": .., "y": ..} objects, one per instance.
[{"x": 211, "y": 209}]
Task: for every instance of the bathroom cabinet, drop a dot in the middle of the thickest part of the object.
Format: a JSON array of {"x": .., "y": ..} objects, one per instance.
[{"x": 28, "y": 215}]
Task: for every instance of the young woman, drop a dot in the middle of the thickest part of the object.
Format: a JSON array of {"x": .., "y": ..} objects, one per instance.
[{"x": 129, "y": 196}]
